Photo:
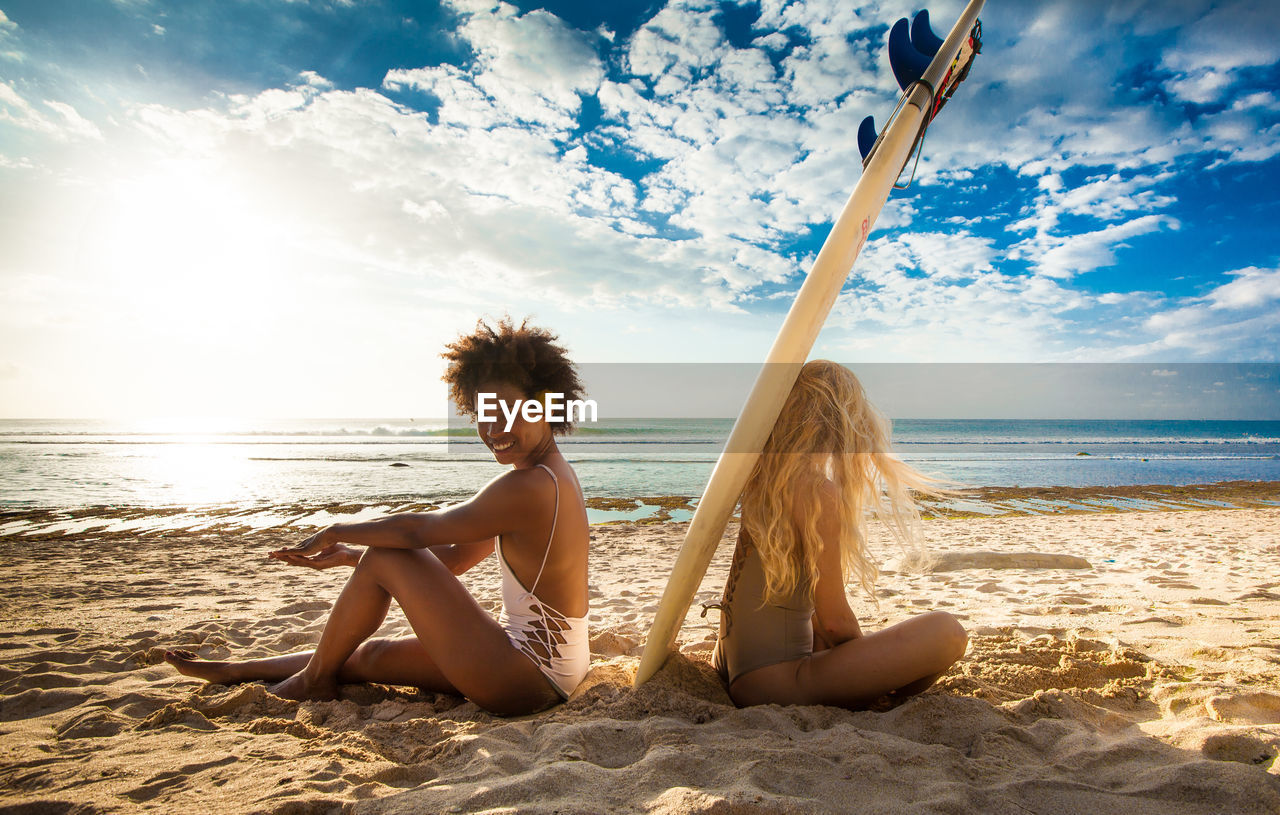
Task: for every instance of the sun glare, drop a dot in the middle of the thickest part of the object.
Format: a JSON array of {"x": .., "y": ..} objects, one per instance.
[
  {"x": 191, "y": 277},
  {"x": 181, "y": 235},
  {"x": 196, "y": 473}
]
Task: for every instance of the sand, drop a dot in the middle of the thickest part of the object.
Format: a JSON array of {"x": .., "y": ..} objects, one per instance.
[{"x": 1145, "y": 680}]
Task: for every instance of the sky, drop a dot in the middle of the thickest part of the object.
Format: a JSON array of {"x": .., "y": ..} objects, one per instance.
[{"x": 288, "y": 207}]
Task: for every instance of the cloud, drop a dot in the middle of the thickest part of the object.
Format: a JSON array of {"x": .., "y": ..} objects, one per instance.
[
  {"x": 532, "y": 65},
  {"x": 1227, "y": 36},
  {"x": 500, "y": 205},
  {"x": 1073, "y": 98},
  {"x": 530, "y": 69},
  {"x": 992, "y": 317},
  {"x": 1251, "y": 288},
  {"x": 937, "y": 296},
  {"x": 66, "y": 125},
  {"x": 942, "y": 256},
  {"x": 711, "y": 172},
  {"x": 1239, "y": 319},
  {"x": 1066, "y": 256},
  {"x": 676, "y": 46},
  {"x": 1103, "y": 197},
  {"x": 1204, "y": 86},
  {"x": 73, "y": 124},
  {"x": 8, "y": 39}
]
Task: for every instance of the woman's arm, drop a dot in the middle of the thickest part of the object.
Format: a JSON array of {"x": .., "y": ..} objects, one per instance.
[
  {"x": 506, "y": 503},
  {"x": 460, "y": 557},
  {"x": 834, "y": 620}
]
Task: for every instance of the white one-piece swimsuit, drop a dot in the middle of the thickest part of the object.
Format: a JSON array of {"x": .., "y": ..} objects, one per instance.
[{"x": 556, "y": 643}]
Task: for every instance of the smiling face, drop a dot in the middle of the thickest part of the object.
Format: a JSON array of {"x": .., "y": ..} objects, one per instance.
[{"x": 526, "y": 442}]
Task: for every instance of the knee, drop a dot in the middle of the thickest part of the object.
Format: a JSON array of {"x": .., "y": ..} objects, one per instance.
[
  {"x": 953, "y": 637},
  {"x": 375, "y": 556}
]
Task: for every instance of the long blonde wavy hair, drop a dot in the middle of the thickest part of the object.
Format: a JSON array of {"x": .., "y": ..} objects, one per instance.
[{"x": 829, "y": 431}]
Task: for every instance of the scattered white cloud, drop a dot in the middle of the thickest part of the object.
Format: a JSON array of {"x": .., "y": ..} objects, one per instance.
[
  {"x": 1251, "y": 288},
  {"x": 1066, "y": 256},
  {"x": 65, "y": 125},
  {"x": 532, "y": 65},
  {"x": 675, "y": 47},
  {"x": 8, "y": 39},
  {"x": 1224, "y": 36},
  {"x": 1102, "y": 197},
  {"x": 1238, "y": 319},
  {"x": 1049, "y": 75},
  {"x": 73, "y": 124},
  {"x": 1203, "y": 87}
]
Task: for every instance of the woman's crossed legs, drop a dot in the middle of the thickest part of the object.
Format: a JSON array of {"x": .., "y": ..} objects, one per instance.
[{"x": 900, "y": 660}]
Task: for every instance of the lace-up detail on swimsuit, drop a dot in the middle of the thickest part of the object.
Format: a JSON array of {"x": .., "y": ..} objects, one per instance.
[
  {"x": 542, "y": 640},
  {"x": 556, "y": 643}
]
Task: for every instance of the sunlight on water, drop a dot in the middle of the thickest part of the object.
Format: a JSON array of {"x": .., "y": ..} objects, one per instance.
[
  {"x": 314, "y": 463},
  {"x": 193, "y": 471}
]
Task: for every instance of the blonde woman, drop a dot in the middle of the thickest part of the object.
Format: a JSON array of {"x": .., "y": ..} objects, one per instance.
[{"x": 787, "y": 632}]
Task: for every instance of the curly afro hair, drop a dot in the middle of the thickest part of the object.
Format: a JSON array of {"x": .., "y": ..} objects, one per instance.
[{"x": 526, "y": 357}]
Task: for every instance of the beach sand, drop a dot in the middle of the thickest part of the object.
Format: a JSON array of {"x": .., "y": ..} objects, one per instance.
[{"x": 1147, "y": 681}]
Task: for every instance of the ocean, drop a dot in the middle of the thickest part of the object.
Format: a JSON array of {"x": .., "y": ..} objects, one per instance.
[{"x": 297, "y": 468}]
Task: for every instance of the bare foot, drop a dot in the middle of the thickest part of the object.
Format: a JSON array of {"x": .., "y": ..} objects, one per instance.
[
  {"x": 299, "y": 688},
  {"x": 189, "y": 664}
]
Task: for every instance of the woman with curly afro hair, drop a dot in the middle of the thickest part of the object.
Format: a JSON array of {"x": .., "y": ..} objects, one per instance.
[{"x": 534, "y": 517}]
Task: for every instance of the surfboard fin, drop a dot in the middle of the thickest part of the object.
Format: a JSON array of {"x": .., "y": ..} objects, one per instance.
[
  {"x": 922, "y": 36},
  {"x": 906, "y": 60},
  {"x": 866, "y": 137}
]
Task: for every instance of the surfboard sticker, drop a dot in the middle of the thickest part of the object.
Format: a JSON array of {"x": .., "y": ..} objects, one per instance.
[{"x": 796, "y": 337}]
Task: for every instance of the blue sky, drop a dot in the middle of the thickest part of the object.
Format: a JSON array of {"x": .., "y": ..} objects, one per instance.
[{"x": 282, "y": 207}]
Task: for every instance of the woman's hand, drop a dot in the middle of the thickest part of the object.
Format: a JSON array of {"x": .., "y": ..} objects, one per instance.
[
  {"x": 819, "y": 642},
  {"x": 317, "y": 553},
  {"x": 337, "y": 554},
  {"x": 824, "y": 637}
]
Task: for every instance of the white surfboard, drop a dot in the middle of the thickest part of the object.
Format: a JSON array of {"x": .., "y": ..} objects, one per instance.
[{"x": 792, "y": 347}]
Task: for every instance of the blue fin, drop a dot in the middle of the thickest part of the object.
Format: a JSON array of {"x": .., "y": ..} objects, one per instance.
[
  {"x": 922, "y": 36},
  {"x": 908, "y": 63},
  {"x": 866, "y": 136}
]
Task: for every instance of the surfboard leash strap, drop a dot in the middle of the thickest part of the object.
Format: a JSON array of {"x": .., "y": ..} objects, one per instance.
[
  {"x": 937, "y": 98},
  {"x": 958, "y": 69}
]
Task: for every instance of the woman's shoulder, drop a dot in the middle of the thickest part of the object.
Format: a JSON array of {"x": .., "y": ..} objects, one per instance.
[{"x": 527, "y": 486}]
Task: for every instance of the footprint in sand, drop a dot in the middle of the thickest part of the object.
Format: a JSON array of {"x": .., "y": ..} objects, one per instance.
[
  {"x": 1239, "y": 747},
  {"x": 1258, "y": 707},
  {"x": 308, "y": 610},
  {"x": 1260, "y": 594},
  {"x": 1071, "y": 600},
  {"x": 1157, "y": 620},
  {"x": 176, "y": 778}
]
